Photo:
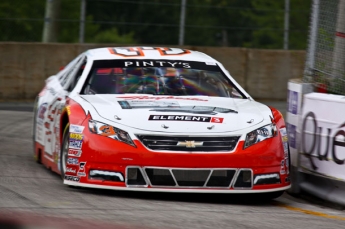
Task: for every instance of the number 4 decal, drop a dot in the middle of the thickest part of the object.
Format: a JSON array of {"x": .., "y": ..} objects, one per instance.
[{"x": 140, "y": 51}]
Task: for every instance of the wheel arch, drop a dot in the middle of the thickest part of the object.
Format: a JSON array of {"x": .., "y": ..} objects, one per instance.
[{"x": 63, "y": 122}]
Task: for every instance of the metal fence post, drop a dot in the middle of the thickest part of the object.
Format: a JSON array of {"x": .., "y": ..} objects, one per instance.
[
  {"x": 82, "y": 21},
  {"x": 182, "y": 22}
]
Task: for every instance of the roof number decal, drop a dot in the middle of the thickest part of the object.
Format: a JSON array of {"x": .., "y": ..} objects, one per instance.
[{"x": 140, "y": 51}]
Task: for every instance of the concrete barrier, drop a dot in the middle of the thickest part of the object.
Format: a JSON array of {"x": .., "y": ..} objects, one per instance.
[{"x": 263, "y": 73}]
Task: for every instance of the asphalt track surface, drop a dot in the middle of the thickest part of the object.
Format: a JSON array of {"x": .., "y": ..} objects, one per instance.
[{"x": 33, "y": 197}]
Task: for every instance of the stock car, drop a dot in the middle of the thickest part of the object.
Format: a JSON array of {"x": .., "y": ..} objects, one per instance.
[{"x": 158, "y": 119}]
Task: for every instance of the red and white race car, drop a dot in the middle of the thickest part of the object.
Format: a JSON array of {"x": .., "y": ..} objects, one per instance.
[{"x": 158, "y": 119}]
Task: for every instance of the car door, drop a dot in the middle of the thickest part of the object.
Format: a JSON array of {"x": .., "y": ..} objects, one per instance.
[{"x": 58, "y": 89}]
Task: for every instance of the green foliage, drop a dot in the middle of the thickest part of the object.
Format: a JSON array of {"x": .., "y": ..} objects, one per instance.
[
  {"x": 112, "y": 36},
  {"x": 269, "y": 15},
  {"x": 234, "y": 23},
  {"x": 21, "y": 21}
]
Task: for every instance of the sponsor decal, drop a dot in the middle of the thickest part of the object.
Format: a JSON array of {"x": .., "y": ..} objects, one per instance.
[
  {"x": 75, "y": 144},
  {"x": 313, "y": 144},
  {"x": 70, "y": 170},
  {"x": 75, "y": 136},
  {"x": 184, "y": 118},
  {"x": 154, "y": 63},
  {"x": 72, "y": 161},
  {"x": 159, "y": 98},
  {"x": 81, "y": 171},
  {"x": 217, "y": 120},
  {"x": 291, "y": 129},
  {"x": 140, "y": 51},
  {"x": 40, "y": 113},
  {"x": 74, "y": 152},
  {"x": 292, "y": 102},
  {"x": 157, "y": 63},
  {"x": 72, "y": 178},
  {"x": 76, "y": 129},
  {"x": 107, "y": 130},
  {"x": 284, "y": 137}
]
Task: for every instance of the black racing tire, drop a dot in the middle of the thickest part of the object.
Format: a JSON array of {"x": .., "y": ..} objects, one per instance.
[
  {"x": 271, "y": 195},
  {"x": 38, "y": 158},
  {"x": 64, "y": 151}
]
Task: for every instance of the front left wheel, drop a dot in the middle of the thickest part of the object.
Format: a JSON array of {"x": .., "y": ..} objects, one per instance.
[{"x": 64, "y": 151}]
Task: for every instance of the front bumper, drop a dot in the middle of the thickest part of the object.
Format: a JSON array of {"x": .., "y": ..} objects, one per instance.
[{"x": 259, "y": 168}]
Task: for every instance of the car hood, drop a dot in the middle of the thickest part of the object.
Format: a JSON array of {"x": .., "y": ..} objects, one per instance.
[{"x": 197, "y": 114}]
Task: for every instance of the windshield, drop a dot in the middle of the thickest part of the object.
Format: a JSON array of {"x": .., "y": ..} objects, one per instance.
[{"x": 182, "y": 80}]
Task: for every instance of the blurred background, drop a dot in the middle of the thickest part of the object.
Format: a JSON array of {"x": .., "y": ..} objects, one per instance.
[{"x": 262, "y": 24}]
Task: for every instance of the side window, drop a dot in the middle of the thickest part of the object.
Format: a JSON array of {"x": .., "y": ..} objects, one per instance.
[
  {"x": 74, "y": 74},
  {"x": 64, "y": 77},
  {"x": 64, "y": 73}
]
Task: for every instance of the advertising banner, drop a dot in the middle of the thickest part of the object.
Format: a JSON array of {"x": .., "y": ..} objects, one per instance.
[{"x": 322, "y": 148}]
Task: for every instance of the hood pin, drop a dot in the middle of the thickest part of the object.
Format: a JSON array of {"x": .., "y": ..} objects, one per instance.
[
  {"x": 252, "y": 120},
  {"x": 164, "y": 126},
  {"x": 210, "y": 127},
  {"x": 117, "y": 117}
]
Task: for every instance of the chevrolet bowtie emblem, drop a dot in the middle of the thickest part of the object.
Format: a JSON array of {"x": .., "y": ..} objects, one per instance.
[{"x": 190, "y": 144}]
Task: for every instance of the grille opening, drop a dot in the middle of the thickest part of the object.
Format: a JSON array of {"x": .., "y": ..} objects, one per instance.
[
  {"x": 244, "y": 179},
  {"x": 160, "y": 177},
  {"x": 221, "y": 178},
  {"x": 191, "y": 177},
  {"x": 135, "y": 177},
  {"x": 197, "y": 143}
]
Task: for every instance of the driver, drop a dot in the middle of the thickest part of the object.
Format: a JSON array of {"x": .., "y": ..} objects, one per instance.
[{"x": 172, "y": 82}]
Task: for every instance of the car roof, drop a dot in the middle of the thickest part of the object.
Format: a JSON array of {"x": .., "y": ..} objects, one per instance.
[{"x": 159, "y": 53}]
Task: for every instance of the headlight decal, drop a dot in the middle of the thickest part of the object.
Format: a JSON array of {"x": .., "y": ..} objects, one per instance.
[
  {"x": 260, "y": 134},
  {"x": 109, "y": 131}
]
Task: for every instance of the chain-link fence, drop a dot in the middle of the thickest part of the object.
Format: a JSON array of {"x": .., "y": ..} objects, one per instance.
[
  {"x": 232, "y": 23},
  {"x": 325, "y": 65}
]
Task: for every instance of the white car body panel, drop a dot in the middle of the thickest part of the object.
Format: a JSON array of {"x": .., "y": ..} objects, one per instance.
[{"x": 248, "y": 115}]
